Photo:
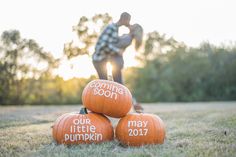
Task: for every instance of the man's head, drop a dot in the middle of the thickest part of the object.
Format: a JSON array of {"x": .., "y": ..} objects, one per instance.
[{"x": 124, "y": 19}]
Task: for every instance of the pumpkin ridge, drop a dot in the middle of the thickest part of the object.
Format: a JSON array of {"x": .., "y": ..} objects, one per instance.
[
  {"x": 61, "y": 127},
  {"x": 123, "y": 106},
  {"x": 162, "y": 127},
  {"x": 87, "y": 98},
  {"x": 142, "y": 118},
  {"x": 101, "y": 123},
  {"x": 103, "y": 101},
  {"x": 57, "y": 123},
  {"x": 155, "y": 138},
  {"x": 109, "y": 109},
  {"x": 90, "y": 117},
  {"x": 84, "y": 95},
  {"x": 123, "y": 126},
  {"x": 105, "y": 121},
  {"x": 66, "y": 128},
  {"x": 90, "y": 101}
]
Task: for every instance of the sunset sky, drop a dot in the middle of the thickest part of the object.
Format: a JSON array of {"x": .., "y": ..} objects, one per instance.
[{"x": 50, "y": 22}]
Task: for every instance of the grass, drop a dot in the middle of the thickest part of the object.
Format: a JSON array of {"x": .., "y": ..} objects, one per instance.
[{"x": 193, "y": 129}]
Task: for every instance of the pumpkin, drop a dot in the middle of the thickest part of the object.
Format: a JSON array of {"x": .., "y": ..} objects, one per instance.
[
  {"x": 140, "y": 129},
  {"x": 82, "y": 127},
  {"x": 107, "y": 97}
]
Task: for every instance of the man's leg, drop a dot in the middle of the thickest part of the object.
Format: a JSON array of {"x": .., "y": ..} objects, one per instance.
[
  {"x": 117, "y": 66},
  {"x": 101, "y": 69}
]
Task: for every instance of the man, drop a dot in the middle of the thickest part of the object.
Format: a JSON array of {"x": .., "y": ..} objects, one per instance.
[{"x": 105, "y": 50}]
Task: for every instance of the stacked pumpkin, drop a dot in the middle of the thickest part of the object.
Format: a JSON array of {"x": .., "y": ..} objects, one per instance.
[{"x": 109, "y": 98}]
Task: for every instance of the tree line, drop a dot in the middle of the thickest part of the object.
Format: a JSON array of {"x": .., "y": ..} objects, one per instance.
[{"x": 169, "y": 71}]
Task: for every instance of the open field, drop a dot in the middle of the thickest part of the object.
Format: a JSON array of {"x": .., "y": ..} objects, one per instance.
[{"x": 193, "y": 129}]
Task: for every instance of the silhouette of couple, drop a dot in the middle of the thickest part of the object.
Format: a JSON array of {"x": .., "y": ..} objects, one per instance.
[{"x": 110, "y": 47}]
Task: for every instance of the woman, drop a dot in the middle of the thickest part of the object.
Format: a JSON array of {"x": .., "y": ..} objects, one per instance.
[{"x": 136, "y": 35}]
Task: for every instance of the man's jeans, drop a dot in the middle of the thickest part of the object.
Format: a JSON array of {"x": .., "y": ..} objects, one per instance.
[{"x": 117, "y": 65}]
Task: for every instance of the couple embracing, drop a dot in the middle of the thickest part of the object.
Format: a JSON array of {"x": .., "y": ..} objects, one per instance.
[{"x": 110, "y": 47}]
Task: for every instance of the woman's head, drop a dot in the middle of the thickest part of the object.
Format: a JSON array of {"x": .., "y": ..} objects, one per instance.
[{"x": 137, "y": 33}]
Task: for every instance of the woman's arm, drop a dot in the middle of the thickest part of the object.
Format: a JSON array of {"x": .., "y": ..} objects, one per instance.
[{"x": 123, "y": 41}]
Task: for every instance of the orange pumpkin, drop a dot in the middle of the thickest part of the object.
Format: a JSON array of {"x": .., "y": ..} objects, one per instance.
[
  {"x": 83, "y": 127},
  {"x": 107, "y": 97},
  {"x": 140, "y": 129}
]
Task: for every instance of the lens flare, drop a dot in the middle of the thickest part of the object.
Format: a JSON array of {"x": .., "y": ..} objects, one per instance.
[{"x": 109, "y": 71}]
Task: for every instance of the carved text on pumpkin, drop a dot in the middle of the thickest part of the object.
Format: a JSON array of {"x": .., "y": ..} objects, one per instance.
[
  {"x": 108, "y": 90},
  {"x": 83, "y": 130},
  {"x": 137, "y": 128}
]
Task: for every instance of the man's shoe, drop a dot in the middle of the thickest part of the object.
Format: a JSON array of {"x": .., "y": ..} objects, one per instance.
[{"x": 138, "y": 108}]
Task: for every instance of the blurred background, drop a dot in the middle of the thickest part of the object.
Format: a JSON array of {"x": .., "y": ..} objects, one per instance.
[{"x": 188, "y": 52}]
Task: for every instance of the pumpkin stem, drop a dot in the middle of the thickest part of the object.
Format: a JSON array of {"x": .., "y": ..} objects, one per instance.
[{"x": 83, "y": 110}]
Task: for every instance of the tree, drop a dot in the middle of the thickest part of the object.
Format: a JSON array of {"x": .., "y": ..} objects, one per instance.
[
  {"x": 87, "y": 31},
  {"x": 19, "y": 59},
  {"x": 157, "y": 45}
]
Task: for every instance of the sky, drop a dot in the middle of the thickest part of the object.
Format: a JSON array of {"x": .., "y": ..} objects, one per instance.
[{"x": 50, "y": 22}]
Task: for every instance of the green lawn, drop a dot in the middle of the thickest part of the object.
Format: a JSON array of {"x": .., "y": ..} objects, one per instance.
[{"x": 193, "y": 129}]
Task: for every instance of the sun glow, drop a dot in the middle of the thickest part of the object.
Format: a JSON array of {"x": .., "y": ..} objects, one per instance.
[
  {"x": 82, "y": 66},
  {"x": 109, "y": 71},
  {"x": 77, "y": 67}
]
